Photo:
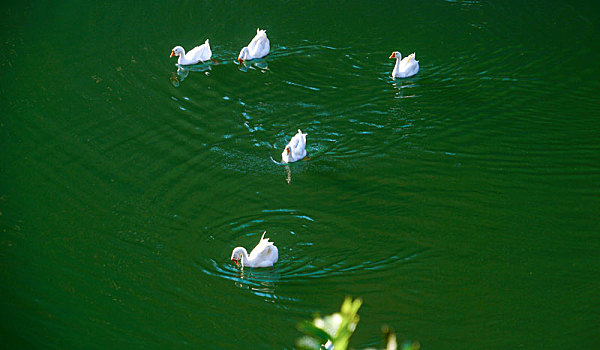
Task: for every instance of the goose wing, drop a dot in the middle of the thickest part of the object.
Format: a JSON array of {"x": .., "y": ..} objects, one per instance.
[
  {"x": 259, "y": 46},
  {"x": 299, "y": 145},
  {"x": 202, "y": 52},
  {"x": 263, "y": 250}
]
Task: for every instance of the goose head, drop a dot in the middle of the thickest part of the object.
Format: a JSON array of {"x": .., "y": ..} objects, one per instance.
[
  {"x": 239, "y": 254},
  {"x": 243, "y": 54},
  {"x": 285, "y": 155},
  {"x": 396, "y": 55},
  {"x": 177, "y": 51}
]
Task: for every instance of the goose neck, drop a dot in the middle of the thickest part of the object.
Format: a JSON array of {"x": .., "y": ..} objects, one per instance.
[
  {"x": 243, "y": 54},
  {"x": 245, "y": 259},
  {"x": 397, "y": 67}
]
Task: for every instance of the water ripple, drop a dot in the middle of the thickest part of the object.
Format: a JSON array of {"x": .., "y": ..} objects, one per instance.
[{"x": 302, "y": 256}]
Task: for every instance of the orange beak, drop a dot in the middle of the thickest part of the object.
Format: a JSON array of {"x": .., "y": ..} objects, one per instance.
[
  {"x": 287, "y": 150},
  {"x": 240, "y": 60},
  {"x": 173, "y": 53},
  {"x": 236, "y": 262},
  {"x": 392, "y": 56}
]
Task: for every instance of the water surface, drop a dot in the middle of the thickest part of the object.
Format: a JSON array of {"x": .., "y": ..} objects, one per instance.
[{"x": 461, "y": 204}]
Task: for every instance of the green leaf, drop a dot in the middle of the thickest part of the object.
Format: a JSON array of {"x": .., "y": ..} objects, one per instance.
[{"x": 310, "y": 329}]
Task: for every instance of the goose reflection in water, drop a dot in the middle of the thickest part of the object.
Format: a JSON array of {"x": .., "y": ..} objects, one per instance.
[
  {"x": 183, "y": 71},
  {"x": 288, "y": 179},
  {"x": 261, "y": 282},
  {"x": 288, "y": 170},
  {"x": 402, "y": 87},
  {"x": 260, "y": 64}
]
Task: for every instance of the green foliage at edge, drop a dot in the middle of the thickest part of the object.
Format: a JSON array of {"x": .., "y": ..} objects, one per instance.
[{"x": 333, "y": 332}]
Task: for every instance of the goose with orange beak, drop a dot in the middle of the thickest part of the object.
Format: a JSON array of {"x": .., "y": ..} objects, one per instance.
[
  {"x": 259, "y": 47},
  {"x": 405, "y": 67},
  {"x": 198, "y": 54},
  {"x": 265, "y": 254},
  {"x": 296, "y": 149}
]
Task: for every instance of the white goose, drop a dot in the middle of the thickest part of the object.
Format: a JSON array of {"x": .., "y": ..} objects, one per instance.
[
  {"x": 406, "y": 67},
  {"x": 265, "y": 254},
  {"x": 198, "y": 54},
  {"x": 296, "y": 149},
  {"x": 259, "y": 47}
]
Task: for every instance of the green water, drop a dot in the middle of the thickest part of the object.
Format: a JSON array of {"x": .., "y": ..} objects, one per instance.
[{"x": 461, "y": 204}]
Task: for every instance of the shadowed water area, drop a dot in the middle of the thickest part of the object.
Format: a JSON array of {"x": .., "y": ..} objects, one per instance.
[{"x": 460, "y": 204}]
